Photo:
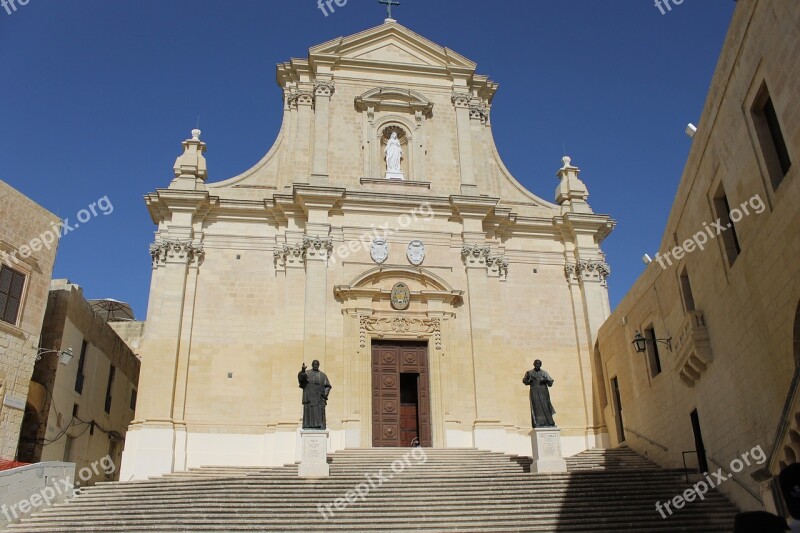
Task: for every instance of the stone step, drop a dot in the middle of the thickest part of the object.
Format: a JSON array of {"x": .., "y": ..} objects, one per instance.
[
  {"x": 462, "y": 525},
  {"x": 463, "y": 491},
  {"x": 455, "y": 478}
]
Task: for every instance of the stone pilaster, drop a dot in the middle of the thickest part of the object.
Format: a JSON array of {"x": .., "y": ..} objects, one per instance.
[
  {"x": 323, "y": 90},
  {"x": 461, "y": 102},
  {"x": 302, "y": 101},
  {"x": 476, "y": 253}
]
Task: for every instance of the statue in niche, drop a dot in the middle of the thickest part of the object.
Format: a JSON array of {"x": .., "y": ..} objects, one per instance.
[
  {"x": 541, "y": 409},
  {"x": 393, "y": 155}
]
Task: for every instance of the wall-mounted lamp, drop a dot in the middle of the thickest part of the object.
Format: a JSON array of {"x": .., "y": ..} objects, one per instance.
[
  {"x": 640, "y": 343},
  {"x": 64, "y": 356}
]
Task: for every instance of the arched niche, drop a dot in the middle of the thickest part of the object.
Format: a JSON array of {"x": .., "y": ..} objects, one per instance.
[{"x": 408, "y": 110}]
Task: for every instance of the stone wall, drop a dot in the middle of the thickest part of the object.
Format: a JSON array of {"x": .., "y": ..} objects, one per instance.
[
  {"x": 732, "y": 355},
  {"x": 23, "y": 224},
  {"x": 69, "y": 321},
  {"x": 27, "y": 489}
]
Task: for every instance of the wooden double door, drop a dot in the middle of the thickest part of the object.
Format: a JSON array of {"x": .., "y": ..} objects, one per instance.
[{"x": 401, "y": 407}]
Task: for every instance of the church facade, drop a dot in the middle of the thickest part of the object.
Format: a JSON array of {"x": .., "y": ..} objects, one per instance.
[{"x": 383, "y": 236}]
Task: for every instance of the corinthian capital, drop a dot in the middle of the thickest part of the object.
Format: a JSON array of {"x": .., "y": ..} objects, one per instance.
[
  {"x": 498, "y": 266},
  {"x": 475, "y": 254},
  {"x": 290, "y": 254},
  {"x": 479, "y": 112},
  {"x": 324, "y": 88},
  {"x": 298, "y": 98},
  {"x": 593, "y": 270},
  {"x": 461, "y": 100},
  {"x": 318, "y": 247},
  {"x": 174, "y": 251}
]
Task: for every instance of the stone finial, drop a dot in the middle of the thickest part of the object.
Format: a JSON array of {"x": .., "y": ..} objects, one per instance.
[
  {"x": 190, "y": 167},
  {"x": 571, "y": 193}
]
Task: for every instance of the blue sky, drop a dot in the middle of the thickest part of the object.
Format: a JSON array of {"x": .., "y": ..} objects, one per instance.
[{"x": 97, "y": 95}]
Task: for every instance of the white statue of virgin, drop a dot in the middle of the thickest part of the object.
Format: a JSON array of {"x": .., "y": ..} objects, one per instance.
[{"x": 394, "y": 154}]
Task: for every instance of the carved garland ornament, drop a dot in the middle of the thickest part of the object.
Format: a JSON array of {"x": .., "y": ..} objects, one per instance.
[
  {"x": 174, "y": 251},
  {"x": 419, "y": 327}
]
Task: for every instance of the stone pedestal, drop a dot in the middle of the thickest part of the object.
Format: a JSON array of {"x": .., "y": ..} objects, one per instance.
[
  {"x": 391, "y": 175},
  {"x": 314, "y": 461},
  {"x": 546, "y": 448}
]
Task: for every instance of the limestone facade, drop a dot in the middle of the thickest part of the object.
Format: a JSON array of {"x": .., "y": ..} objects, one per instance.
[
  {"x": 731, "y": 308},
  {"x": 23, "y": 223},
  {"x": 299, "y": 257}
]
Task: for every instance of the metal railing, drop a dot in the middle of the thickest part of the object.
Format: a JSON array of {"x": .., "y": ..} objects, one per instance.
[
  {"x": 685, "y": 468},
  {"x": 654, "y": 443},
  {"x": 747, "y": 489},
  {"x": 783, "y": 425}
]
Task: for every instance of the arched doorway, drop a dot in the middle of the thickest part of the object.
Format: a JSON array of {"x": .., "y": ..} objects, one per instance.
[{"x": 400, "y": 354}]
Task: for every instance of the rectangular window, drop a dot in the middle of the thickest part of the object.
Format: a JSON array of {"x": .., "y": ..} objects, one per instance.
[
  {"x": 110, "y": 384},
  {"x": 133, "y": 399},
  {"x": 722, "y": 210},
  {"x": 653, "y": 359},
  {"x": 11, "y": 285},
  {"x": 81, "y": 363},
  {"x": 770, "y": 137},
  {"x": 686, "y": 291}
]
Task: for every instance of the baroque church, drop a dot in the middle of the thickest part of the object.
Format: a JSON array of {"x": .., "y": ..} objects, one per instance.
[{"x": 383, "y": 236}]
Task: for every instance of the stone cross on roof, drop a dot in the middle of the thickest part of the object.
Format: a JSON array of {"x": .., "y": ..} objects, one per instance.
[{"x": 389, "y": 4}]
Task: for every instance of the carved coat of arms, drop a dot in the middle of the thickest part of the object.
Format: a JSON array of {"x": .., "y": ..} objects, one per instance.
[
  {"x": 401, "y": 296},
  {"x": 416, "y": 252},
  {"x": 379, "y": 250}
]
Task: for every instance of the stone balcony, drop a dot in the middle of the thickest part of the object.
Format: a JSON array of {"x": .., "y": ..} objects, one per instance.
[{"x": 693, "y": 348}]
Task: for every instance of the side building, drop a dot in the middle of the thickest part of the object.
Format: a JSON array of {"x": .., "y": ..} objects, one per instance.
[
  {"x": 88, "y": 403},
  {"x": 718, "y": 364},
  {"x": 28, "y": 242}
]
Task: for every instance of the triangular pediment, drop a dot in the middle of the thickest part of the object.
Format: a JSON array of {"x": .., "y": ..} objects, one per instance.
[
  {"x": 391, "y": 53},
  {"x": 391, "y": 43}
]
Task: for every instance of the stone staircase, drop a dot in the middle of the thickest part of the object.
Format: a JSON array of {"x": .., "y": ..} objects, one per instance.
[{"x": 461, "y": 490}]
